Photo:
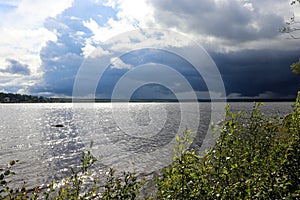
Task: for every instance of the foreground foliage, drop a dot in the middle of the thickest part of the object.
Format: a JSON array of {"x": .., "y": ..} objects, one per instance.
[
  {"x": 255, "y": 157},
  {"x": 80, "y": 185}
]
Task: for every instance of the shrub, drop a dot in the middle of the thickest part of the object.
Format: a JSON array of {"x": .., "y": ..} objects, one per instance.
[{"x": 254, "y": 158}]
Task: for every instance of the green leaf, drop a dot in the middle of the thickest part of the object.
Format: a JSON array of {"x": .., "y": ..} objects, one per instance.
[
  {"x": 12, "y": 162},
  {"x": 7, "y": 172}
]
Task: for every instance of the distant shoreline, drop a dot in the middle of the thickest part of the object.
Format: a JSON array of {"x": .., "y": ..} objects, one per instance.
[
  {"x": 154, "y": 101},
  {"x": 19, "y": 98}
]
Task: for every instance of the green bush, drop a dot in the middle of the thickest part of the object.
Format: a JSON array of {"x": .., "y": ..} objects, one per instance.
[{"x": 254, "y": 158}]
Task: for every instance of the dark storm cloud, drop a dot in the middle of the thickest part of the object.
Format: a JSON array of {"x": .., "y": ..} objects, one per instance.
[
  {"x": 153, "y": 56},
  {"x": 15, "y": 67},
  {"x": 246, "y": 73},
  {"x": 147, "y": 91},
  {"x": 233, "y": 20},
  {"x": 252, "y": 73}
]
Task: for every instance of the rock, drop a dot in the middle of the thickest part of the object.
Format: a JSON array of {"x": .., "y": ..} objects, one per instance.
[{"x": 58, "y": 125}]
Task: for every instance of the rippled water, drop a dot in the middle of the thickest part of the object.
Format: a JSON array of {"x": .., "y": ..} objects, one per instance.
[{"x": 136, "y": 140}]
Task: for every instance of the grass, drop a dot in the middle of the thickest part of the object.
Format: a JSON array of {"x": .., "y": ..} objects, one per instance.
[{"x": 255, "y": 157}]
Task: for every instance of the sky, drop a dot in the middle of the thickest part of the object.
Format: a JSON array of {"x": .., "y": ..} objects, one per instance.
[{"x": 43, "y": 45}]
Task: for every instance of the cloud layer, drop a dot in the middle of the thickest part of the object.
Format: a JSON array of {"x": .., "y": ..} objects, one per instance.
[
  {"x": 47, "y": 44},
  {"x": 232, "y": 20},
  {"x": 15, "y": 67}
]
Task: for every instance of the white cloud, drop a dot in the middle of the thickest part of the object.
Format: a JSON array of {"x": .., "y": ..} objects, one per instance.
[
  {"x": 17, "y": 83},
  {"x": 110, "y": 3},
  {"x": 137, "y": 12},
  {"x": 249, "y": 6},
  {"x": 131, "y": 15},
  {"x": 32, "y": 13},
  {"x": 88, "y": 49},
  {"x": 117, "y": 63},
  {"x": 23, "y": 35},
  {"x": 23, "y": 45},
  {"x": 3, "y": 91},
  {"x": 109, "y": 30}
]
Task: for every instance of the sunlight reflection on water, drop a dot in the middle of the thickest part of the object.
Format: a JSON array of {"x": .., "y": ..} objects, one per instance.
[{"x": 46, "y": 152}]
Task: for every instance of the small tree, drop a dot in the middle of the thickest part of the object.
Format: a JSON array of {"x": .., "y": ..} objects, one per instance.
[{"x": 295, "y": 67}]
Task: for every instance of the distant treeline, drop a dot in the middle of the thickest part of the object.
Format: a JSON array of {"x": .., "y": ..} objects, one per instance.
[{"x": 22, "y": 98}]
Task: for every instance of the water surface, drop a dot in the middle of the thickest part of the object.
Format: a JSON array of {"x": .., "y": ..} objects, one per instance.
[{"x": 28, "y": 133}]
